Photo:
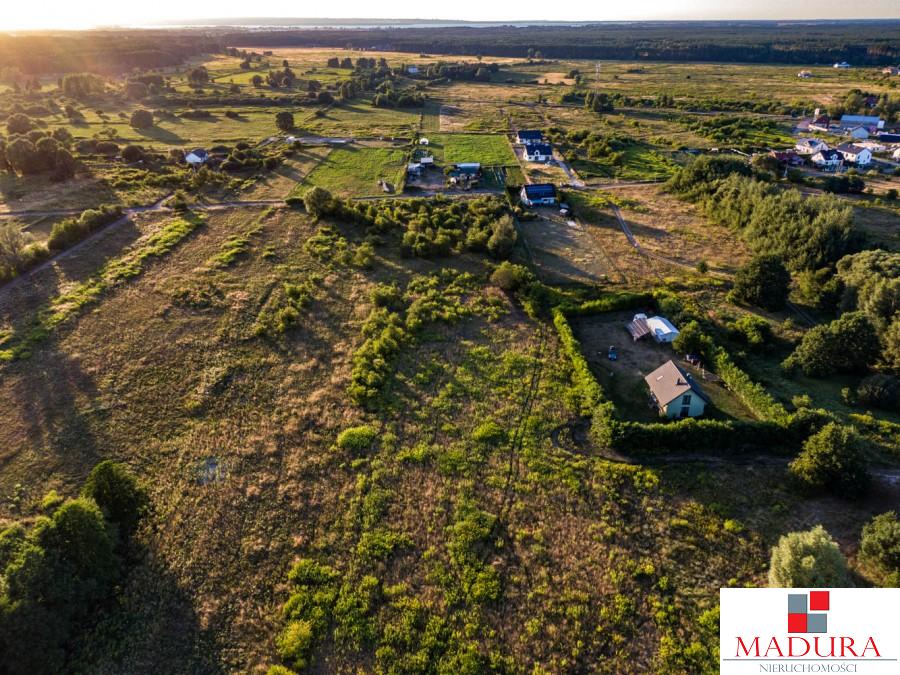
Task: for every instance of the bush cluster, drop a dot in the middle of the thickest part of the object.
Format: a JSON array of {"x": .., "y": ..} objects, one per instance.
[{"x": 68, "y": 232}]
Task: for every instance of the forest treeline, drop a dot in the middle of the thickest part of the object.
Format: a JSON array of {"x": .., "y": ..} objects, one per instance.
[
  {"x": 108, "y": 52},
  {"x": 860, "y": 43},
  {"x": 118, "y": 51}
]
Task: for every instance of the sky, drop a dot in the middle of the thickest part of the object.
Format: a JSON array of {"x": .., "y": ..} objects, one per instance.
[{"x": 77, "y": 14}]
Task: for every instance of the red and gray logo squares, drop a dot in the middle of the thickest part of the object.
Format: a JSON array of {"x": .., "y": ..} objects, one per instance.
[{"x": 806, "y": 612}]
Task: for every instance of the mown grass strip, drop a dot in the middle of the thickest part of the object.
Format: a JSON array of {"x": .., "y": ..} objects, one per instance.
[{"x": 18, "y": 344}]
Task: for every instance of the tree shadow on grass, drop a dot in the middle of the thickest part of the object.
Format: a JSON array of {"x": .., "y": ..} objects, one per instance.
[
  {"x": 160, "y": 135},
  {"x": 154, "y": 628}
]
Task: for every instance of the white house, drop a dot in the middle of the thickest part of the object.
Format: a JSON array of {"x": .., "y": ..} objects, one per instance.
[
  {"x": 809, "y": 146},
  {"x": 860, "y": 133},
  {"x": 805, "y": 74},
  {"x": 855, "y": 154},
  {"x": 196, "y": 157},
  {"x": 423, "y": 141},
  {"x": 538, "y": 152},
  {"x": 659, "y": 327},
  {"x": 827, "y": 159},
  {"x": 675, "y": 393},
  {"x": 851, "y": 121},
  {"x": 896, "y": 154},
  {"x": 538, "y": 194}
]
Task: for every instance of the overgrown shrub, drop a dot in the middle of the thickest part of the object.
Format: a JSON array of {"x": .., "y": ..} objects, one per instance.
[
  {"x": 357, "y": 439},
  {"x": 880, "y": 542},
  {"x": 808, "y": 559},
  {"x": 832, "y": 459},
  {"x": 763, "y": 282},
  {"x": 68, "y": 232}
]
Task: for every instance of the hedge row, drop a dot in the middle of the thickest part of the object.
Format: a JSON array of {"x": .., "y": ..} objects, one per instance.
[
  {"x": 776, "y": 428},
  {"x": 586, "y": 384},
  {"x": 612, "y": 302},
  {"x": 692, "y": 435},
  {"x": 752, "y": 394}
]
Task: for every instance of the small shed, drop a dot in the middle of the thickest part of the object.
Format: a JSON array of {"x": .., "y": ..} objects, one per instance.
[{"x": 659, "y": 327}]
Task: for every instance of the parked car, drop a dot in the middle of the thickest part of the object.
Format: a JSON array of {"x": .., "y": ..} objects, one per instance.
[{"x": 612, "y": 355}]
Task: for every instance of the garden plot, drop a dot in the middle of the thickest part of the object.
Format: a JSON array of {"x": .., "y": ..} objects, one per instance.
[
  {"x": 355, "y": 171},
  {"x": 486, "y": 149},
  {"x": 623, "y": 380}
]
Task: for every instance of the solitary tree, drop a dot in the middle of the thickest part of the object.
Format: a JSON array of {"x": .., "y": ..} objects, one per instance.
[
  {"x": 117, "y": 493},
  {"x": 318, "y": 202},
  {"x": 808, "y": 559},
  {"x": 832, "y": 459},
  {"x": 142, "y": 119},
  {"x": 881, "y": 541},
  {"x": 284, "y": 120}
]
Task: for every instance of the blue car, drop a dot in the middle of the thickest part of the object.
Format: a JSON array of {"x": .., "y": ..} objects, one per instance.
[{"x": 611, "y": 354}]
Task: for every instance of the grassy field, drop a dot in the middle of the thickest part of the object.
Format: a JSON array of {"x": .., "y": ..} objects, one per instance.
[
  {"x": 487, "y": 149},
  {"x": 354, "y": 171},
  {"x": 226, "y": 356}
]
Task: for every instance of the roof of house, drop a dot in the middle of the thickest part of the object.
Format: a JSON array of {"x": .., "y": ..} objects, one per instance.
[
  {"x": 196, "y": 155},
  {"x": 540, "y": 190},
  {"x": 530, "y": 134},
  {"x": 468, "y": 167},
  {"x": 889, "y": 138},
  {"x": 638, "y": 327},
  {"x": 539, "y": 149},
  {"x": 860, "y": 119},
  {"x": 829, "y": 154},
  {"x": 851, "y": 148},
  {"x": 811, "y": 142},
  {"x": 668, "y": 382},
  {"x": 660, "y": 325}
]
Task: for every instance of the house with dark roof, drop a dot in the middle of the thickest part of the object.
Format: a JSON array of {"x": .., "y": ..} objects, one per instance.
[
  {"x": 196, "y": 157},
  {"x": 827, "y": 159},
  {"x": 674, "y": 392},
  {"x": 855, "y": 154},
  {"x": 538, "y": 152},
  {"x": 888, "y": 138},
  {"x": 529, "y": 136},
  {"x": 538, "y": 194}
]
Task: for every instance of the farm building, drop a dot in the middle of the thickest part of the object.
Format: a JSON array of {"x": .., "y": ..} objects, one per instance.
[
  {"x": 538, "y": 152},
  {"x": 860, "y": 133},
  {"x": 675, "y": 393},
  {"x": 805, "y": 74},
  {"x": 842, "y": 65},
  {"x": 530, "y": 136},
  {"x": 809, "y": 146},
  {"x": 821, "y": 123},
  {"x": 538, "y": 194},
  {"x": 659, "y": 327},
  {"x": 827, "y": 159},
  {"x": 787, "y": 157},
  {"x": 851, "y": 121},
  {"x": 855, "y": 154},
  {"x": 196, "y": 157}
]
